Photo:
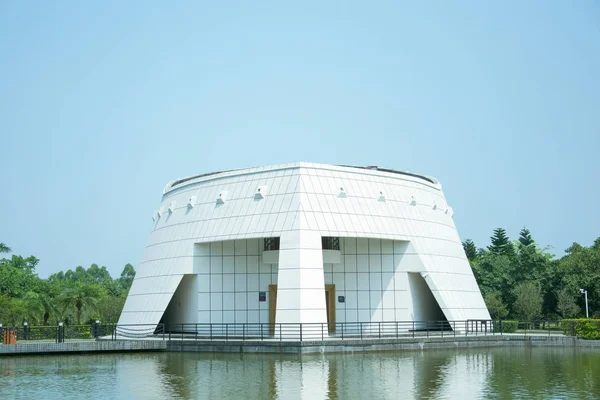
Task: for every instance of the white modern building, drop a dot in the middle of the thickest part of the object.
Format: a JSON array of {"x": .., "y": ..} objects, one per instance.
[{"x": 303, "y": 243}]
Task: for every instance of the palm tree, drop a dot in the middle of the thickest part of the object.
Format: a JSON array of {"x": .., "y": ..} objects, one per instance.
[
  {"x": 13, "y": 310},
  {"x": 4, "y": 248},
  {"x": 83, "y": 297},
  {"x": 39, "y": 304}
]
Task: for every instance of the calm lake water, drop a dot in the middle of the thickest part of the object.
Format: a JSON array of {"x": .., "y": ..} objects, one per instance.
[{"x": 501, "y": 373}]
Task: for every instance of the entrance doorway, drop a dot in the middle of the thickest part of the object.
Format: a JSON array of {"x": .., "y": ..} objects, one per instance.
[{"x": 329, "y": 305}]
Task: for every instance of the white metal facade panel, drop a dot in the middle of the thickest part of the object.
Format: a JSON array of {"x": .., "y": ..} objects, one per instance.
[{"x": 413, "y": 222}]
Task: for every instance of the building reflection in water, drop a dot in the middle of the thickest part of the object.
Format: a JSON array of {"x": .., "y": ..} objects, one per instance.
[
  {"x": 497, "y": 373},
  {"x": 361, "y": 375}
]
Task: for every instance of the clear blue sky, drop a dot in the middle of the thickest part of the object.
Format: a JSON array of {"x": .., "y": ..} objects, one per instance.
[{"x": 102, "y": 103}]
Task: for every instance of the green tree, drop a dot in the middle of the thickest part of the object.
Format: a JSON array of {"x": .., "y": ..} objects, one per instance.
[
  {"x": 12, "y": 311},
  {"x": 525, "y": 238},
  {"x": 532, "y": 264},
  {"x": 26, "y": 264},
  {"x": 110, "y": 307},
  {"x": 495, "y": 273},
  {"x": 83, "y": 297},
  {"x": 63, "y": 311},
  {"x": 470, "y": 249},
  {"x": 78, "y": 275},
  {"x": 495, "y": 305},
  {"x": 565, "y": 304},
  {"x": 580, "y": 268},
  {"x": 528, "y": 301},
  {"x": 4, "y": 248},
  {"x": 501, "y": 244},
  {"x": 5, "y": 305},
  {"x": 98, "y": 275},
  {"x": 69, "y": 296},
  {"x": 17, "y": 276},
  {"x": 39, "y": 306},
  {"x": 101, "y": 277},
  {"x": 126, "y": 278}
]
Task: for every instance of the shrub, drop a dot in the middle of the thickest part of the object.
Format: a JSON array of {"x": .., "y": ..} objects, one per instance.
[
  {"x": 506, "y": 326},
  {"x": 78, "y": 332},
  {"x": 588, "y": 329},
  {"x": 38, "y": 333}
]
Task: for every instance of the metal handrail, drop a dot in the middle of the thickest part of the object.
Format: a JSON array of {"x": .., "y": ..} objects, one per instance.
[
  {"x": 281, "y": 332},
  {"x": 315, "y": 331},
  {"x": 352, "y": 330}
]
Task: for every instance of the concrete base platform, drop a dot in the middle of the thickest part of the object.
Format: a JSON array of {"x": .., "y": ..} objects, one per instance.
[
  {"x": 296, "y": 347},
  {"x": 88, "y": 346},
  {"x": 350, "y": 346}
]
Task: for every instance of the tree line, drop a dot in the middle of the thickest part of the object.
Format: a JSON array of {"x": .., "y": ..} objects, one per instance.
[
  {"x": 519, "y": 280},
  {"x": 73, "y": 297}
]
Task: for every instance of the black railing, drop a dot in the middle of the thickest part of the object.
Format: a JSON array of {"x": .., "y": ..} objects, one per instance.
[
  {"x": 69, "y": 333},
  {"x": 49, "y": 334},
  {"x": 365, "y": 330},
  {"x": 286, "y": 331},
  {"x": 326, "y": 331}
]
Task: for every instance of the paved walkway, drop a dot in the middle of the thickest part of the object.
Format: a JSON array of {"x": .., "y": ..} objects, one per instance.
[{"x": 81, "y": 346}]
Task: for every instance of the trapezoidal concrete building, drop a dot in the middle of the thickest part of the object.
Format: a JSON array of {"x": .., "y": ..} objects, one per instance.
[{"x": 303, "y": 243}]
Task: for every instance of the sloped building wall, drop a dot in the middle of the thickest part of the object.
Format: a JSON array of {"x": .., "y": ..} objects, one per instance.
[{"x": 386, "y": 219}]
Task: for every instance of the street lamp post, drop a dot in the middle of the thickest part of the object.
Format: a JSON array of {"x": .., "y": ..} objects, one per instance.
[{"x": 583, "y": 291}]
